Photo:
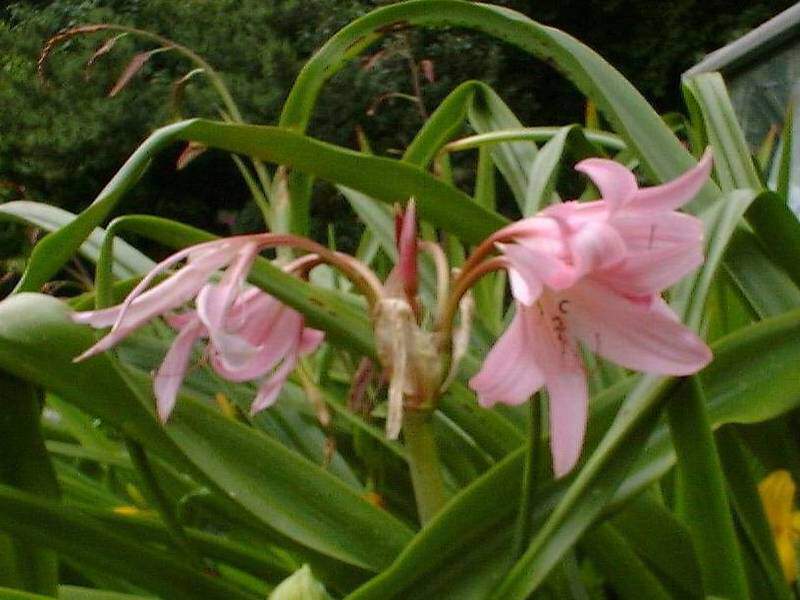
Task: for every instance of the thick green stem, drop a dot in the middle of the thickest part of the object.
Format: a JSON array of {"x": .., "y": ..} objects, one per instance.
[{"x": 423, "y": 460}]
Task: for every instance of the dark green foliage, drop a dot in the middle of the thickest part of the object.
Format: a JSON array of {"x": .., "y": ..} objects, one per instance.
[{"x": 61, "y": 141}]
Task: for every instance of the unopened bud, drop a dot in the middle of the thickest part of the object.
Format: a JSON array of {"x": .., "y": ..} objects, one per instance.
[
  {"x": 406, "y": 234},
  {"x": 301, "y": 585}
]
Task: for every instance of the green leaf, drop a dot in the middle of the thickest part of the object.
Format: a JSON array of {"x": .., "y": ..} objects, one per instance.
[
  {"x": 622, "y": 106},
  {"x": 128, "y": 261},
  {"x": 25, "y": 464},
  {"x": 75, "y": 534},
  {"x": 71, "y": 592},
  {"x": 785, "y": 167},
  {"x": 778, "y": 230},
  {"x": 489, "y": 113},
  {"x": 491, "y": 432},
  {"x": 38, "y": 342},
  {"x": 545, "y": 169},
  {"x": 9, "y": 594},
  {"x": 766, "y": 287},
  {"x": 384, "y": 179},
  {"x": 720, "y": 221},
  {"x": 286, "y": 491},
  {"x": 464, "y": 523},
  {"x": 444, "y": 122},
  {"x": 701, "y": 496},
  {"x": 258, "y": 561},
  {"x": 601, "y": 139},
  {"x": 590, "y": 491},
  {"x": 81, "y": 426},
  {"x": 489, "y": 305},
  {"x": 750, "y": 517},
  {"x": 628, "y": 575},
  {"x": 751, "y": 380},
  {"x": 662, "y": 541},
  {"x": 733, "y": 164}
]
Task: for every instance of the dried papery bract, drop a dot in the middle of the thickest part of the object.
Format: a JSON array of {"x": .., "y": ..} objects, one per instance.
[{"x": 412, "y": 357}]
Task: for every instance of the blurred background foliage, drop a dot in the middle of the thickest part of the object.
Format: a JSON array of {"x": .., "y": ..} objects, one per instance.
[{"x": 62, "y": 139}]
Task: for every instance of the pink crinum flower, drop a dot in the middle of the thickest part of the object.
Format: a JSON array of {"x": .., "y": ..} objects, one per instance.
[
  {"x": 593, "y": 273},
  {"x": 251, "y": 335}
]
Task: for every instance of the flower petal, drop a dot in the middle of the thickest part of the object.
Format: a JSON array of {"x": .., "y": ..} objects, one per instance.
[
  {"x": 249, "y": 366},
  {"x": 205, "y": 258},
  {"x": 172, "y": 371},
  {"x": 218, "y": 299},
  {"x": 271, "y": 387},
  {"x": 634, "y": 334},
  {"x": 310, "y": 340},
  {"x": 166, "y": 296},
  {"x": 510, "y": 373},
  {"x": 617, "y": 184},
  {"x": 180, "y": 320},
  {"x": 675, "y": 193},
  {"x": 565, "y": 379},
  {"x": 662, "y": 249},
  {"x": 530, "y": 269},
  {"x": 595, "y": 246},
  {"x": 569, "y": 397}
]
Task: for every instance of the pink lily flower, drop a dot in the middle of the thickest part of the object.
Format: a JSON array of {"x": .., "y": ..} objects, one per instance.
[
  {"x": 593, "y": 273},
  {"x": 251, "y": 335}
]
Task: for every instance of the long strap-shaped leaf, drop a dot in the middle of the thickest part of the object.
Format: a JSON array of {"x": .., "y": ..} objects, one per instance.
[
  {"x": 76, "y": 534},
  {"x": 381, "y": 178},
  {"x": 128, "y": 261},
  {"x": 624, "y": 107},
  {"x": 487, "y": 113},
  {"x": 702, "y": 496},
  {"x": 25, "y": 464},
  {"x": 732, "y": 161}
]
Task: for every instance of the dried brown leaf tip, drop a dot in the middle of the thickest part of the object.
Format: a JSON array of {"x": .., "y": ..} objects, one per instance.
[
  {"x": 426, "y": 66},
  {"x": 190, "y": 152},
  {"x": 101, "y": 51},
  {"x": 136, "y": 64},
  {"x": 371, "y": 60},
  {"x": 58, "y": 39},
  {"x": 179, "y": 91}
]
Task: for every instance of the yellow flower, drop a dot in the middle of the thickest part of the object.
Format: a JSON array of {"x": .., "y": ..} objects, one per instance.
[{"x": 777, "y": 496}]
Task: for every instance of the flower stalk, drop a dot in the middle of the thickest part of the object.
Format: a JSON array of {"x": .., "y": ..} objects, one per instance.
[{"x": 423, "y": 460}]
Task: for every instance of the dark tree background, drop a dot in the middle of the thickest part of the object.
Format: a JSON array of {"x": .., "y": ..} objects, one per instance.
[{"x": 61, "y": 142}]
